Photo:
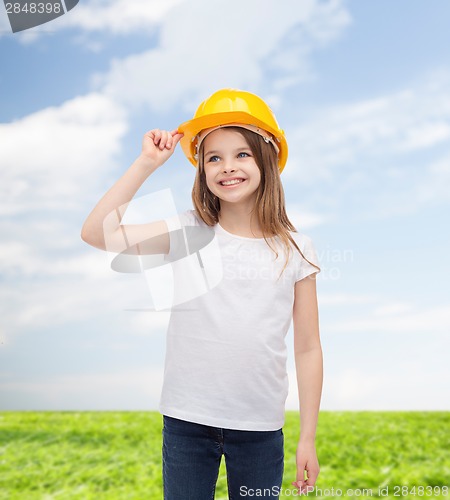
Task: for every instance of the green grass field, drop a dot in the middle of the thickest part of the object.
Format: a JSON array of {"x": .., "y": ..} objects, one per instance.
[{"x": 117, "y": 455}]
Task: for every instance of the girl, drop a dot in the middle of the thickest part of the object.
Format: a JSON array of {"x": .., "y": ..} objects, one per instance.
[{"x": 225, "y": 381}]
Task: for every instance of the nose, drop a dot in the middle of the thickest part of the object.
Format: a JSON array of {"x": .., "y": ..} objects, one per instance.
[{"x": 228, "y": 166}]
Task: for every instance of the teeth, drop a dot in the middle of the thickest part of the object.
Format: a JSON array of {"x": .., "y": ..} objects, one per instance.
[{"x": 229, "y": 183}]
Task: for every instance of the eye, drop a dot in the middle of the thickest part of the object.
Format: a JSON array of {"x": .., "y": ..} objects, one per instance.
[
  {"x": 243, "y": 153},
  {"x": 213, "y": 159}
]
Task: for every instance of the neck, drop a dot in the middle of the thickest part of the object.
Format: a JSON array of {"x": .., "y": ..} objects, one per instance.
[{"x": 238, "y": 219}]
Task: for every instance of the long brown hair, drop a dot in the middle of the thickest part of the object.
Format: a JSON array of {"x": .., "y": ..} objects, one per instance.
[{"x": 270, "y": 203}]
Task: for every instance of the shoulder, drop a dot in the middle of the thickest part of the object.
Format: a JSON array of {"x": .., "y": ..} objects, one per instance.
[
  {"x": 309, "y": 262},
  {"x": 194, "y": 218},
  {"x": 301, "y": 239},
  {"x": 189, "y": 217},
  {"x": 306, "y": 245}
]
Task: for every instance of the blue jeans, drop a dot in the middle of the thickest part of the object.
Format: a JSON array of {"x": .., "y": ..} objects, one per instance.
[{"x": 191, "y": 455}]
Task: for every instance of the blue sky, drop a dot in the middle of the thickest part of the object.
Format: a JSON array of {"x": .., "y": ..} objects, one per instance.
[{"x": 362, "y": 90}]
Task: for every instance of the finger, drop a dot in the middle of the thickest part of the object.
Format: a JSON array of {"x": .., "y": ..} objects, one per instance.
[
  {"x": 176, "y": 139},
  {"x": 299, "y": 484},
  {"x": 301, "y": 478},
  {"x": 169, "y": 142},
  {"x": 156, "y": 136},
  {"x": 164, "y": 138},
  {"x": 302, "y": 487},
  {"x": 312, "y": 476},
  {"x": 307, "y": 488},
  {"x": 173, "y": 139},
  {"x": 149, "y": 135},
  {"x": 176, "y": 135}
]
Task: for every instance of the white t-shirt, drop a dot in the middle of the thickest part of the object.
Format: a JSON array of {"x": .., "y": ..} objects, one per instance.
[{"x": 226, "y": 355}]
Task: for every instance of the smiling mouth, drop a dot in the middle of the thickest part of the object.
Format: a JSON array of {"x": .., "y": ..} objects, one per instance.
[{"x": 232, "y": 183}]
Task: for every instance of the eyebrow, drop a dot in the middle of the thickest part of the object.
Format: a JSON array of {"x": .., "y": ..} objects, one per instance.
[{"x": 236, "y": 150}]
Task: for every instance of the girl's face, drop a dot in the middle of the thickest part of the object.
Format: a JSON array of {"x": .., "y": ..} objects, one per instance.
[{"x": 228, "y": 156}]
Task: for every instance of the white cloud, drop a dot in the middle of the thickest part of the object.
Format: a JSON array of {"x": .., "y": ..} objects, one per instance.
[
  {"x": 51, "y": 162},
  {"x": 382, "y": 357},
  {"x": 85, "y": 291},
  {"x": 118, "y": 16},
  {"x": 435, "y": 186},
  {"x": 133, "y": 389},
  {"x": 346, "y": 299},
  {"x": 393, "y": 387},
  {"x": 397, "y": 318},
  {"x": 204, "y": 46},
  {"x": 48, "y": 157},
  {"x": 19, "y": 259},
  {"x": 340, "y": 136},
  {"x": 387, "y": 155},
  {"x": 351, "y": 388},
  {"x": 425, "y": 135},
  {"x": 393, "y": 308},
  {"x": 391, "y": 359},
  {"x": 115, "y": 17},
  {"x": 303, "y": 218},
  {"x": 400, "y": 388}
]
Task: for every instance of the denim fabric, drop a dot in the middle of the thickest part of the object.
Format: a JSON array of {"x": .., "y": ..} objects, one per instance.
[{"x": 191, "y": 455}]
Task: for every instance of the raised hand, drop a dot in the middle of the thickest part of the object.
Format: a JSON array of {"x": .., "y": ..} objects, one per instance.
[{"x": 159, "y": 145}]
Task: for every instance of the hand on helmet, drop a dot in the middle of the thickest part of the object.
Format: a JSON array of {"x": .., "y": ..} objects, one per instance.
[{"x": 158, "y": 145}]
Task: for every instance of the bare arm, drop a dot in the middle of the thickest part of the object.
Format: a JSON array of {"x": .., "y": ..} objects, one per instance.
[
  {"x": 102, "y": 228},
  {"x": 309, "y": 368}
]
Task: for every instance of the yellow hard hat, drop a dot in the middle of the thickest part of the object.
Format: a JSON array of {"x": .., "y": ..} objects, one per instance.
[{"x": 232, "y": 107}]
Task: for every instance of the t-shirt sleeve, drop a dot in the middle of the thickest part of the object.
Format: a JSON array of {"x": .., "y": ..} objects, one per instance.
[
  {"x": 175, "y": 225},
  {"x": 304, "y": 268}
]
